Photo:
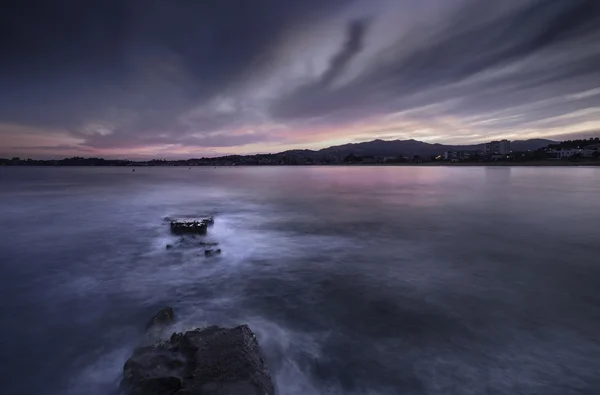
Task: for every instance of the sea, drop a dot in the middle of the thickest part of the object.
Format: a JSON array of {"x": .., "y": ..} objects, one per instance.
[{"x": 356, "y": 280}]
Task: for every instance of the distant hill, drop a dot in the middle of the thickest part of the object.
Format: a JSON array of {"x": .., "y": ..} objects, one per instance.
[
  {"x": 530, "y": 145},
  {"x": 387, "y": 148}
]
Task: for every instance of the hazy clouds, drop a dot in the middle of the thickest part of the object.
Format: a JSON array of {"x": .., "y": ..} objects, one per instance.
[{"x": 130, "y": 78}]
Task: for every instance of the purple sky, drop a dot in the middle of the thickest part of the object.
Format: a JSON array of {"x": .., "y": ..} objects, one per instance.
[{"x": 181, "y": 78}]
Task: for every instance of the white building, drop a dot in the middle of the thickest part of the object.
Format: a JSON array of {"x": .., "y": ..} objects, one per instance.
[
  {"x": 448, "y": 155},
  {"x": 564, "y": 153},
  {"x": 501, "y": 147}
]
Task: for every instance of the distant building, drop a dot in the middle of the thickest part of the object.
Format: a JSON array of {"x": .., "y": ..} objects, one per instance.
[
  {"x": 564, "y": 153},
  {"x": 460, "y": 155},
  {"x": 501, "y": 147},
  {"x": 449, "y": 155},
  {"x": 569, "y": 153}
]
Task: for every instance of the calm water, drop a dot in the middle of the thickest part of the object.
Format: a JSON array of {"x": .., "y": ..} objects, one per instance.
[{"x": 356, "y": 280}]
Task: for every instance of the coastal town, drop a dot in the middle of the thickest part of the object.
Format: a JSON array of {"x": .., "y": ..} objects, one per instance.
[
  {"x": 377, "y": 152},
  {"x": 578, "y": 150}
]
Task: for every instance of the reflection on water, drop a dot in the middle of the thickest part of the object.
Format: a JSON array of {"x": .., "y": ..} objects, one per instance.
[{"x": 379, "y": 280}]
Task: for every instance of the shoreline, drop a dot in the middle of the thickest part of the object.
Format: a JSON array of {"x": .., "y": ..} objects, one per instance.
[
  {"x": 425, "y": 164},
  {"x": 515, "y": 164}
]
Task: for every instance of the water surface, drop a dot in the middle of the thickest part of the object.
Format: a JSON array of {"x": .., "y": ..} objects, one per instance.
[{"x": 357, "y": 280}]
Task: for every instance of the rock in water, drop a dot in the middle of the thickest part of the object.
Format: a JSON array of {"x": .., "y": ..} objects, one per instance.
[
  {"x": 154, "y": 370},
  {"x": 197, "y": 225},
  {"x": 227, "y": 361},
  {"x": 212, "y": 252},
  {"x": 190, "y": 226},
  {"x": 209, "y": 361},
  {"x": 183, "y": 227},
  {"x": 163, "y": 318},
  {"x": 208, "y": 244}
]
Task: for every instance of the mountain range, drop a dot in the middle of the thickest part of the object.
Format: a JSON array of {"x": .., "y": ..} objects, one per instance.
[{"x": 407, "y": 148}]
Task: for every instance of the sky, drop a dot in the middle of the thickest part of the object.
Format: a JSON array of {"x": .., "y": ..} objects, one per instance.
[{"x": 192, "y": 78}]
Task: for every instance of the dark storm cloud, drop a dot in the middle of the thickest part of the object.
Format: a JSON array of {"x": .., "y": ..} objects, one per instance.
[
  {"x": 199, "y": 73},
  {"x": 66, "y": 62},
  {"x": 469, "y": 42}
]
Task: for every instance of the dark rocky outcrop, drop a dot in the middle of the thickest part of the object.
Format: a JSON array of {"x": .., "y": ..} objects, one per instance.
[
  {"x": 190, "y": 226},
  {"x": 208, "y": 361},
  {"x": 164, "y": 317},
  {"x": 183, "y": 227}
]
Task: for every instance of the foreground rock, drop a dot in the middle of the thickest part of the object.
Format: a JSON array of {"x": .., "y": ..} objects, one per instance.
[
  {"x": 209, "y": 361},
  {"x": 159, "y": 325},
  {"x": 164, "y": 317}
]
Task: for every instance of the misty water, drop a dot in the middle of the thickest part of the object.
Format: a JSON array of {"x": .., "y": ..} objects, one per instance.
[{"x": 356, "y": 280}]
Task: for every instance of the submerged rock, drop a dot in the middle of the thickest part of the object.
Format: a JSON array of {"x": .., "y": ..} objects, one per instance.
[
  {"x": 208, "y": 244},
  {"x": 169, "y": 246},
  {"x": 208, "y": 361},
  {"x": 212, "y": 252}
]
